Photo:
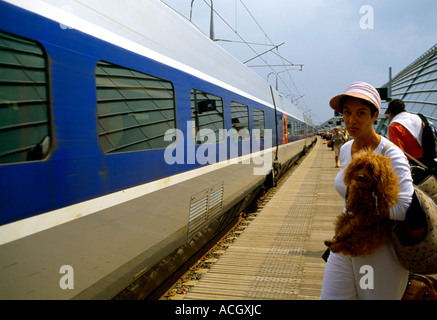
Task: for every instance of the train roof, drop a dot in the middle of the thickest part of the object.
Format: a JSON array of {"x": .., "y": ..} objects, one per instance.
[{"x": 152, "y": 29}]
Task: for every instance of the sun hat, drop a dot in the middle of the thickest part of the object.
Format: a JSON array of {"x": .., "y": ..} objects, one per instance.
[{"x": 360, "y": 90}]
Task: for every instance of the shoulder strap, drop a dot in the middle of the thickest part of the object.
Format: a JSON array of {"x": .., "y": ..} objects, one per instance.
[
  {"x": 390, "y": 144},
  {"x": 428, "y": 139},
  {"x": 423, "y": 118},
  {"x": 386, "y": 147}
]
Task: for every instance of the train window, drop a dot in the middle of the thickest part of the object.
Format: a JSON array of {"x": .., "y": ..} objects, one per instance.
[
  {"x": 24, "y": 106},
  {"x": 290, "y": 126},
  {"x": 134, "y": 109},
  {"x": 240, "y": 121},
  {"x": 297, "y": 128},
  {"x": 259, "y": 121},
  {"x": 207, "y": 117}
]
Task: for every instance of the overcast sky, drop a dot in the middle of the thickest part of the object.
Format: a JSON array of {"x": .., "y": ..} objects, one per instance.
[{"x": 336, "y": 43}]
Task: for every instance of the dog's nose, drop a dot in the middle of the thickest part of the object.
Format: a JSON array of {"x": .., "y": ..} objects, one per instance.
[{"x": 360, "y": 177}]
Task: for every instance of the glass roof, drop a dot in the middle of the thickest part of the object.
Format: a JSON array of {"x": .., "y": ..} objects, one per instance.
[{"x": 416, "y": 85}]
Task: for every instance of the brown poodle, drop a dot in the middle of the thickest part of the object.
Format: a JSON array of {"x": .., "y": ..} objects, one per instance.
[{"x": 372, "y": 188}]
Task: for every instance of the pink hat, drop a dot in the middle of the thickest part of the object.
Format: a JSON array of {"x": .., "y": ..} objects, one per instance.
[{"x": 360, "y": 90}]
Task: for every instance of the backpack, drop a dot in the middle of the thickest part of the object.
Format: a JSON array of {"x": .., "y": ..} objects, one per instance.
[{"x": 429, "y": 141}]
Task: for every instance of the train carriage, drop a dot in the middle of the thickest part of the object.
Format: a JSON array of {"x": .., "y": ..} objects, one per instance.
[{"x": 127, "y": 140}]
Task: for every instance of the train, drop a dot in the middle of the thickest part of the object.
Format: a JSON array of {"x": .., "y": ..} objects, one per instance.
[{"x": 128, "y": 139}]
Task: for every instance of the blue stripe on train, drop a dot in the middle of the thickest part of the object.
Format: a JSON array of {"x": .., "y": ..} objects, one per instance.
[{"x": 77, "y": 170}]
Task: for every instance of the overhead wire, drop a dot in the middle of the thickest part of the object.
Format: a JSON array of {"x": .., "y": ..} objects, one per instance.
[{"x": 284, "y": 61}]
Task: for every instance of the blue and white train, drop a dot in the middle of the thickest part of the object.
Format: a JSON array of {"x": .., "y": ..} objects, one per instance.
[{"x": 95, "y": 190}]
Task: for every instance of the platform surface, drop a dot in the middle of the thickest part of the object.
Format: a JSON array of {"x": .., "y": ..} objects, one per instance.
[{"x": 278, "y": 256}]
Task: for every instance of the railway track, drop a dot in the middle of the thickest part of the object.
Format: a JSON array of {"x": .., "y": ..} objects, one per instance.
[
  {"x": 198, "y": 266},
  {"x": 176, "y": 285}
]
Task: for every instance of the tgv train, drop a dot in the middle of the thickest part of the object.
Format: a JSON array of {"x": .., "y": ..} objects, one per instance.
[{"x": 127, "y": 140}]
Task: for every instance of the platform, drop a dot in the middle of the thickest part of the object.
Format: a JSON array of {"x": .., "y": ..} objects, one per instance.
[{"x": 278, "y": 256}]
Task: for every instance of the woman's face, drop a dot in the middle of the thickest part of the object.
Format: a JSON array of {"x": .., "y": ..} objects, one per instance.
[{"x": 358, "y": 118}]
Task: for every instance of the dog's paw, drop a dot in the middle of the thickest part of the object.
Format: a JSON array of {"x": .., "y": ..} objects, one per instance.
[
  {"x": 329, "y": 243},
  {"x": 336, "y": 246}
]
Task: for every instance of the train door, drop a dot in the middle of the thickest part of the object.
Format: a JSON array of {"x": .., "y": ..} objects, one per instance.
[{"x": 284, "y": 129}]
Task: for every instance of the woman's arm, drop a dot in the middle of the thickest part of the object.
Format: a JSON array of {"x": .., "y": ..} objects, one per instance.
[{"x": 402, "y": 168}]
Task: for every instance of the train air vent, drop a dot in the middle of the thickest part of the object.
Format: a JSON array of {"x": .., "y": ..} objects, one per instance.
[
  {"x": 205, "y": 206},
  {"x": 215, "y": 200}
]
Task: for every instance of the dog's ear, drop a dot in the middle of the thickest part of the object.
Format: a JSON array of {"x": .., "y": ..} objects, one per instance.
[
  {"x": 374, "y": 167},
  {"x": 378, "y": 164}
]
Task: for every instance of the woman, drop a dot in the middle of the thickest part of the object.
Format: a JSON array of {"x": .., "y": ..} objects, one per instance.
[
  {"x": 339, "y": 139},
  {"x": 378, "y": 275}
]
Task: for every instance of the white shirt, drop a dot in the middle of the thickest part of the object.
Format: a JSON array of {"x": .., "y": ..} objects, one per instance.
[
  {"x": 399, "y": 164},
  {"x": 412, "y": 123}
]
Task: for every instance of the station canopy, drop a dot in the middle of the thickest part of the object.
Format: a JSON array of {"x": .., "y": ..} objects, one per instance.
[{"x": 416, "y": 85}]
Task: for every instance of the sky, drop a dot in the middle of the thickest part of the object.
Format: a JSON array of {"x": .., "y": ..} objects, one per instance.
[{"x": 337, "y": 41}]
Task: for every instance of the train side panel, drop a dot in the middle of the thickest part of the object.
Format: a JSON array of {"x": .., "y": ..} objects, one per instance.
[{"x": 114, "y": 214}]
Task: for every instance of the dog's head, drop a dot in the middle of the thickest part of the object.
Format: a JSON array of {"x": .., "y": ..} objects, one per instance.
[{"x": 370, "y": 172}]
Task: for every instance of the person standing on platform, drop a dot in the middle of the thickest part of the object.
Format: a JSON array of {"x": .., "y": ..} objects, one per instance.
[
  {"x": 339, "y": 139},
  {"x": 346, "y": 135},
  {"x": 360, "y": 105},
  {"x": 405, "y": 130}
]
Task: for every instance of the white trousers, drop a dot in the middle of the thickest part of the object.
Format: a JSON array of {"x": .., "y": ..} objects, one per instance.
[{"x": 378, "y": 276}]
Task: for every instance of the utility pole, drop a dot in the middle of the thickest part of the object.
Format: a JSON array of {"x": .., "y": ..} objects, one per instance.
[
  {"x": 211, "y": 26},
  {"x": 389, "y": 83}
]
